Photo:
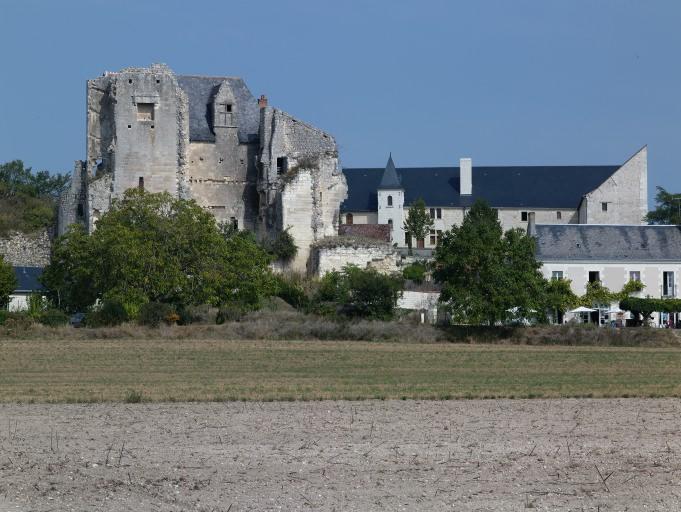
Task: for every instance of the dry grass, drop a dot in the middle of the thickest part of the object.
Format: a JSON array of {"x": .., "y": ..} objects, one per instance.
[{"x": 87, "y": 370}]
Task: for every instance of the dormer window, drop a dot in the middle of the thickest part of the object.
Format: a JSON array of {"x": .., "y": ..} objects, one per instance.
[{"x": 390, "y": 200}]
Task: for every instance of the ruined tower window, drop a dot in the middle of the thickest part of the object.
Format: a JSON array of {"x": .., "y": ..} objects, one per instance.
[
  {"x": 129, "y": 126},
  {"x": 282, "y": 165},
  {"x": 79, "y": 211},
  {"x": 234, "y": 222},
  {"x": 140, "y": 183},
  {"x": 129, "y": 80},
  {"x": 349, "y": 218},
  {"x": 158, "y": 81},
  {"x": 228, "y": 107},
  {"x": 390, "y": 200},
  {"x": 145, "y": 111}
]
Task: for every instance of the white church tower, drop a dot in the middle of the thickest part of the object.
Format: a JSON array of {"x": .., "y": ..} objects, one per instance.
[{"x": 391, "y": 202}]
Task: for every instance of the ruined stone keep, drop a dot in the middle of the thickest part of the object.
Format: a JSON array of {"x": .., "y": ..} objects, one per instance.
[{"x": 208, "y": 139}]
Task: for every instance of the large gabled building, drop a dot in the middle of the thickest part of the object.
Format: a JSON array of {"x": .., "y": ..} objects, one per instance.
[{"x": 587, "y": 194}]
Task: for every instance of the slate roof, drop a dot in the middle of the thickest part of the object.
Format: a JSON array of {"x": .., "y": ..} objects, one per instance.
[
  {"x": 389, "y": 180},
  {"x": 27, "y": 279},
  {"x": 512, "y": 187},
  {"x": 594, "y": 242},
  {"x": 200, "y": 92}
]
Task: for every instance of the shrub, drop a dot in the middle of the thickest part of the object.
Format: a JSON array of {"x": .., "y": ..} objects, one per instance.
[
  {"x": 283, "y": 247},
  {"x": 202, "y": 314},
  {"x": 360, "y": 292},
  {"x": 15, "y": 321},
  {"x": 229, "y": 313},
  {"x": 292, "y": 293},
  {"x": 415, "y": 272},
  {"x": 53, "y": 318},
  {"x": 153, "y": 313},
  {"x": 133, "y": 396},
  {"x": 109, "y": 314},
  {"x": 131, "y": 299}
]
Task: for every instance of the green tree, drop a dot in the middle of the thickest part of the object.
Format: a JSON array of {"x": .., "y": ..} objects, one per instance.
[
  {"x": 488, "y": 276},
  {"x": 156, "y": 248},
  {"x": 418, "y": 222},
  {"x": 360, "y": 292},
  {"x": 667, "y": 210},
  {"x": 8, "y": 282},
  {"x": 28, "y": 199},
  {"x": 559, "y": 297}
]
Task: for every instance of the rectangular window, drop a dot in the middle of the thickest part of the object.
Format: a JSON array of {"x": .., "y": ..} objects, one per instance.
[
  {"x": 432, "y": 237},
  {"x": 140, "y": 183},
  {"x": 235, "y": 222},
  {"x": 432, "y": 213},
  {"x": 439, "y": 213},
  {"x": 557, "y": 275},
  {"x": 668, "y": 284},
  {"x": 145, "y": 111},
  {"x": 407, "y": 237},
  {"x": 559, "y": 215},
  {"x": 604, "y": 207},
  {"x": 282, "y": 165},
  {"x": 634, "y": 275},
  {"x": 523, "y": 216},
  {"x": 594, "y": 276}
]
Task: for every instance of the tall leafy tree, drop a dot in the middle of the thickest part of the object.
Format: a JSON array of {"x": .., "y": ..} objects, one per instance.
[
  {"x": 156, "y": 248},
  {"x": 667, "y": 210},
  {"x": 488, "y": 276},
  {"x": 8, "y": 282},
  {"x": 418, "y": 222}
]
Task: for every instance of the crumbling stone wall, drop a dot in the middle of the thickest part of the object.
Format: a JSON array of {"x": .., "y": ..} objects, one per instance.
[
  {"x": 26, "y": 249},
  {"x": 301, "y": 183},
  {"x": 334, "y": 254}
]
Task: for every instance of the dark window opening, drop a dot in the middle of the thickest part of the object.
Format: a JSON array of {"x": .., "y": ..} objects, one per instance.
[
  {"x": 604, "y": 207},
  {"x": 439, "y": 213},
  {"x": 129, "y": 80},
  {"x": 80, "y": 211},
  {"x": 390, "y": 200},
  {"x": 235, "y": 223},
  {"x": 407, "y": 237},
  {"x": 282, "y": 165},
  {"x": 158, "y": 81},
  {"x": 129, "y": 126},
  {"x": 390, "y": 223},
  {"x": 140, "y": 183},
  {"x": 432, "y": 213},
  {"x": 559, "y": 215},
  {"x": 594, "y": 276},
  {"x": 523, "y": 216},
  {"x": 349, "y": 218},
  {"x": 433, "y": 238},
  {"x": 668, "y": 284},
  {"x": 145, "y": 111},
  {"x": 228, "y": 107}
]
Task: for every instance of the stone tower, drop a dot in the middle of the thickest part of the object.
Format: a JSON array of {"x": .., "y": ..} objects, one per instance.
[{"x": 391, "y": 202}]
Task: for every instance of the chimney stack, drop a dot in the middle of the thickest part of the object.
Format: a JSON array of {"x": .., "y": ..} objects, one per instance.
[
  {"x": 531, "y": 226},
  {"x": 465, "y": 176},
  {"x": 262, "y": 101}
]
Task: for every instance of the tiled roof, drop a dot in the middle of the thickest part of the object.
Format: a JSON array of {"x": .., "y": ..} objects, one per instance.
[
  {"x": 512, "y": 187},
  {"x": 27, "y": 279},
  {"x": 594, "y": 242},
  {"x": 377, "y": 231},
  {"x": 201, "y": 91}
]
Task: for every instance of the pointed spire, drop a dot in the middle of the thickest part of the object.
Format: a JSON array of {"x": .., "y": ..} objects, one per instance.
[{"x": 390, "y": 179}]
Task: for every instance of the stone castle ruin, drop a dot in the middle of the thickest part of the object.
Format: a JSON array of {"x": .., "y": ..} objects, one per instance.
[{"x": 208, "y": 139}]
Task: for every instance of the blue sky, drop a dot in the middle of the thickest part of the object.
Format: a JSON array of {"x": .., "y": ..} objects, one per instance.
[{"x": 504, "y": 82}]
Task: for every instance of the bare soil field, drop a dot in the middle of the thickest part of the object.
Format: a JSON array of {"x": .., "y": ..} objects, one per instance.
[{"x": 482, "y": 455}]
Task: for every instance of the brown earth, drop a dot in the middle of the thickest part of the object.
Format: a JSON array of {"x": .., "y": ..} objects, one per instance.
[{"x": 579, "y": 455}]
